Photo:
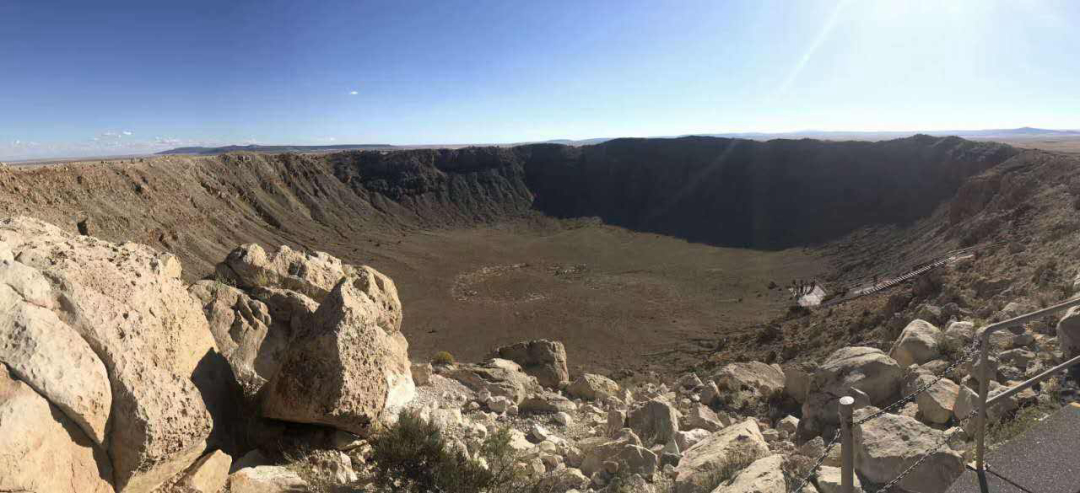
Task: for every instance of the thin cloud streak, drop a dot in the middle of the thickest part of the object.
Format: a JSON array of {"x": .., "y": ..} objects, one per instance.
[{"x": 822, "y": 35}]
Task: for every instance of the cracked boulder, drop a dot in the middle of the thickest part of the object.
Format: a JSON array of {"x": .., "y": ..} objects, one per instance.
[
  {"x": 350, "y": 365},
  {"x": 128, "y": 304}
]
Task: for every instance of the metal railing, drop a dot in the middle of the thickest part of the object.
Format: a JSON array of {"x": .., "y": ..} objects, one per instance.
[
  {"x": 981, "y": 347},
  {"x": 984, "y": 371}
]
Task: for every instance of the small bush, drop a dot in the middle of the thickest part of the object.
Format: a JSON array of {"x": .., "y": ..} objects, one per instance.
[
  {"x": 412, "y": 456},
  {"x": 738, "y": 459},
  {"x": 443, "y": 358},
  {"x": 796, "y": 468}
]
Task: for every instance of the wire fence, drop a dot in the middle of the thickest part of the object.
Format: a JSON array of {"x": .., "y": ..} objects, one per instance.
[{"x": 968, "y": 355}]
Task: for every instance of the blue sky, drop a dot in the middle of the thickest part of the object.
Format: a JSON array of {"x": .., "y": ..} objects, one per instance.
[{"x": 94, "y": 78}]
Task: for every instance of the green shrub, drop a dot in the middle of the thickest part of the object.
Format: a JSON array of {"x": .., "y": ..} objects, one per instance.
[
  {"x": 442, "y": 358},
  {"x": 412, "y": 456}
]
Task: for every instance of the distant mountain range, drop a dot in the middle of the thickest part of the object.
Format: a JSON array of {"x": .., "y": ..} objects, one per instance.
[
  {"x": 1004, "y": 133},
  {"x": 278, "y": 148}
]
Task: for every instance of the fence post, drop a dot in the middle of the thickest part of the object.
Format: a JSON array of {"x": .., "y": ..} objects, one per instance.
[
  {"x": 847, "y": 445},
  {"x": 984, "y": 391}
]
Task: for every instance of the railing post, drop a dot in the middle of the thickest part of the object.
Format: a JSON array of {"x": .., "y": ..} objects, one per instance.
[
  {"x": 984, "y": 392},
  {"x": 847, "y": 446}
]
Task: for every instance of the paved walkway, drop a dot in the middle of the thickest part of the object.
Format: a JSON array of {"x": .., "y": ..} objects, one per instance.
[{"x": 1045, "y": 459}]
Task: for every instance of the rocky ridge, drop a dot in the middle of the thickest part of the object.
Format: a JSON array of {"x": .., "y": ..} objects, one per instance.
[{"x": 123, "y": 378}]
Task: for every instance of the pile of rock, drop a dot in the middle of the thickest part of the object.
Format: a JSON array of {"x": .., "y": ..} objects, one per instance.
[{"x": 116, "y": 376}]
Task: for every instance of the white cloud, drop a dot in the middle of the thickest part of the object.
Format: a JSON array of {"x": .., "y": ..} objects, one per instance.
[
  {"x": 127, "y": 132},
  {"x": 353, "y": 93}
]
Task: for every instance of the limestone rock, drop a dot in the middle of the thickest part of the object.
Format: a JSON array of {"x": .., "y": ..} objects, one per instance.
[
  {"x": 1068, "y": 333},
  {"x": 701, "y": 416},
  {"x": 346, "y": 368},
  {"x": 138, "y": 318},
  {"x": 591, "y": 387},
  {"x": 828, "y": 480},
  {"x": 616, "y": 421},
  {"x": 638, "y": 460},
  {"x": 41, "y": 449},
  {"x": 209, "y": 474},
  {"x": 49, "y": 355},
  {"x": 499, "y": 377},
  {"x": 244, "y": 332},
  {"x": 1018, "y": 357},
  {"x": 596, "y": 451},
  {"x": 889, "y": 444},
  {"x": 714, "y": 451},
  {"x": 959, "y": 334},
  {"x": 936, "y": 403},
  {"x": 543, "y": 359},
  {"x": 288, "y": 308},
  {"x": 865, "y": 369},
  {"x": 546, "y": 402},
  {"x": 656, "y": 421},
  {"x": 765, "y": 475},
  {"x": 687, "y": 439},
  {"x": 421, "y": 373},
  {"x": 761, "y": 379},
  {"x": 710, "y": 394},
  {"x": 788, "y": 425},
  {"x": 314, "y": 274},
  {"x": 848, "y": 371},
  {"x": 266, "y": 479},
  {"x": 918, "y": 343},
  {"x": 798, "y": 379}
]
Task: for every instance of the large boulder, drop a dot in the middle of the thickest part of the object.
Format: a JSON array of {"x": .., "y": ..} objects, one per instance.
[
  {"x": 597, "y": 450},
  {"x": 865, "y": 369},
  {"x": 848, "y": 371},
  {"x": 918, "y": 343},
  {"x": 289, "y": 308},
  {"x": 967, "y": 400},
  {"x": 209, "y": 474},
  {"x": 543, "y": 359},
  {"x": 41, "y": 450},
  {"x": 829, "y": 478},
  {"x": 760, "y": 379},
  {"x": 592, "y": 387},
  {"x": 959, "y": 334},
  {"x": 638, "y": 460},
  {"x": 498, "y": 376},
  {"x": 48, "y": 354},
  {"x": 765, "y": 475},
  {"x": 937, "y": 402},
  {"x": 888, "y": 445},
  {"x": 702, "y": 416},
  {"x": 267, "y": 479},
  {"x": 741, "y": 440},
  {"x": 798, "y": 378},
  {"x": 348, "y": 366},
  {"x": 547, "y": 402},
  {"x": 130, "y": 306},
  {"x": 244, "y": 332},
  {"x": 314, "y": 274},
  {"x": 1068, "y": 333},
  {"x": 655, "y": 421}
]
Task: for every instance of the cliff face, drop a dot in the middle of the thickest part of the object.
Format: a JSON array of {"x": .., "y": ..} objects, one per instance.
[
  {"x": 728, "y": 192},
  {"x": 765, "y": 195}
]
